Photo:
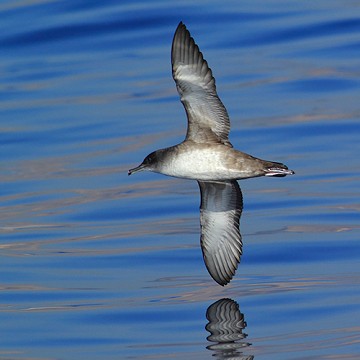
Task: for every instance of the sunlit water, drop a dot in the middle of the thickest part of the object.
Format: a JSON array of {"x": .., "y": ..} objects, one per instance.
[{"x": 98, "y": 265}]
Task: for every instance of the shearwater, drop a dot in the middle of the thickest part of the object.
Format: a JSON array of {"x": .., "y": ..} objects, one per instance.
[{"x": 206, "y": 155}]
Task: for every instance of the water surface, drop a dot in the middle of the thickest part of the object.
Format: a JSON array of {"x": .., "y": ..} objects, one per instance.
[{"x": 99, "y": 265}]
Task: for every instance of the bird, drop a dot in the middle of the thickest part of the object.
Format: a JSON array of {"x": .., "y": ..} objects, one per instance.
[{"x": 207, "y": 156}]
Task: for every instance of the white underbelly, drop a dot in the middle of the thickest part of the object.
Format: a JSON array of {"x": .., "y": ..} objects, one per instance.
[{"x": 200, "y": 165}]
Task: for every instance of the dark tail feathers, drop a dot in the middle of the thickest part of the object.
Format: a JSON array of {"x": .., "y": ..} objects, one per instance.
[{"x": 277, "y": 169}]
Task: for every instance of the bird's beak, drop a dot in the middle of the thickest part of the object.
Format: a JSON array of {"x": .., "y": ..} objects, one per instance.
[{"x": 141, "y": 167}]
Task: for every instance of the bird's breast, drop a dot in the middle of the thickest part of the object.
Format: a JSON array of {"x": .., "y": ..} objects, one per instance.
[{"x": 202, "y": 163}]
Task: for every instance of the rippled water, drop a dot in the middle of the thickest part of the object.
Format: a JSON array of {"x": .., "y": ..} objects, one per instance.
[{"x": 99, "y": 265}]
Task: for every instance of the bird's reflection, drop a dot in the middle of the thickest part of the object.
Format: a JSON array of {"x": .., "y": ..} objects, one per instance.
[
  {"x": 226, "y": 324},
  {"x": 220, "y": 211}
]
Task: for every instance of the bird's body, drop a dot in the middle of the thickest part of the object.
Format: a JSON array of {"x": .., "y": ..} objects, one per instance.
[
  {"x": 207, "y": 155},
  {"x": 215, "y": 162}
]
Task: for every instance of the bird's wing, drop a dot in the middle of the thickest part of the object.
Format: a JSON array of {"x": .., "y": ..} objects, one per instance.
[
  {"x": 208, "y": 120},
  {"x": 220, "y": 211}
]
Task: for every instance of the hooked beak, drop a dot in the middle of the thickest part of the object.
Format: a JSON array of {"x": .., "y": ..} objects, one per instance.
[{"x": 141, "y": 167}]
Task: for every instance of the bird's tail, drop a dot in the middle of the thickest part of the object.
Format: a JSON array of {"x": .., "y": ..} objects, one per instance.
[{"x": 277, "y": 169}]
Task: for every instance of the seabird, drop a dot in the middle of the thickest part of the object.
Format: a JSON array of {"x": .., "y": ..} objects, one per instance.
[{"x": 206, "y": 155}]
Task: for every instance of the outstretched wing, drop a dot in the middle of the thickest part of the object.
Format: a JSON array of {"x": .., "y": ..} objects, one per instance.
[
  {"x": 220, "y": 211},
  {"x": 208, "y": 120}
]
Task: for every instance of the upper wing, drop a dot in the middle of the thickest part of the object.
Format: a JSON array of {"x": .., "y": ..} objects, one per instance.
[
  {"x": 220, "y": 211},
  {"x": 208, "y": 120}
]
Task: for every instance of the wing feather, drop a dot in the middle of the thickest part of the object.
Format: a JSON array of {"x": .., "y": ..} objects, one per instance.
[
  {"x": 208, "y": 120},
  {"x": 220, "y": 211}
]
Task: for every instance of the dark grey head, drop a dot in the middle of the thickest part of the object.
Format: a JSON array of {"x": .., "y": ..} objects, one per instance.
[{"x": 150, "y": 163}]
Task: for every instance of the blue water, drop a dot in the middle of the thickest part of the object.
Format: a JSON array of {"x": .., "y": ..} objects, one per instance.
[{"x": 98, "y": 265}]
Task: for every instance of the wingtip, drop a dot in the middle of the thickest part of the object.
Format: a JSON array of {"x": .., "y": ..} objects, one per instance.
[
  {"x": 222, "y": 281},
  {"x": 218, "y": 274},
  {"x": 181, "y": 25}
]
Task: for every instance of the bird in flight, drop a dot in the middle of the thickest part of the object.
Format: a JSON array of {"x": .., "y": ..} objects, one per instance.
[{"x": 206, "y": 155}]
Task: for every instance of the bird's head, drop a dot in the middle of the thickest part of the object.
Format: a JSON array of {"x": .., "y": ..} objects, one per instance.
[{"x": 149, "y": 163}]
